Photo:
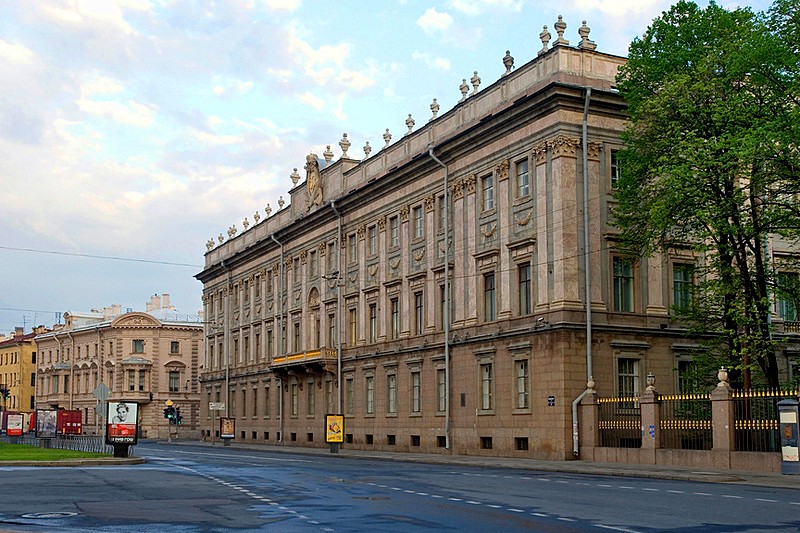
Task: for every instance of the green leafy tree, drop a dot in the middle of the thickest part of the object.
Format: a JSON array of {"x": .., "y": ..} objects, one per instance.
[{"x": 711, "y": 163}]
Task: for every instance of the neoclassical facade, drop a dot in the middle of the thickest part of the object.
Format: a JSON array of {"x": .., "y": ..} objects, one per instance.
[
  {"x": 144, "y": 357},
  {"x": 434, "y": 292},
  {"x": 18, "y": 370}
]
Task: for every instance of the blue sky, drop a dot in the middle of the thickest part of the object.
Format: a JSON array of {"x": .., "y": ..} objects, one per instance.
[{"x": 139, "y": 129}]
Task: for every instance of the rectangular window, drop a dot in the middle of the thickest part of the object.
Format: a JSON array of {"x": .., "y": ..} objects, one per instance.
[
  {"x": 623, "y": 285},
  {"x": 523, "y": 181},
  {"x": 441, "y": 390},
  {"x": 522, "y": 384},
  {"x": 486, "y": 386},
  {"x": 487, "y": 193},
  {"x": 627, "y": 377},
  {"x": 416, "y": 392},
  {"x": 440, "y": 207},
  {"x": 687, "y": 377},
  {"x": 489, "y": 300},
  {"x": 236, "y": 354},
  {"x": 417, "y": 217},
  {"x": 614, "y": 169},
  {"x": 266, "y": 401},
  {"x": 352, "y": 317},
  {"x": 372, "y": 236},
  {"x": 525, "y": 303},
  {"x": 174, "y": 347},
  {"x": 244, "y": 402},
  {"x": 313, "y": 264},
  {"x": 138, "y": 346},
  {"x": 394, "y": 306},
  {"x": 682, "y": 285},
  {"x": 311, "y": 398},
  {"x": 391, "y": 393},
  {"x": 329, "y": 403},
  {"x": 131, "y": 380},
  {"x": 257, "y": 286},
  {"x": 352, "y": 249},
  {"x": 174, "y": 381},
  {"x": 255, "y": 402},
  {"x": 419, "y": 313},
  {"x": 370, "y": 384},
  {"x": 270, "y": 344},
  {"x": 331, "y": 331},
  {"x": 296, "y": 270},
  {"x": 246, "y": 290},
  {"x": 247, "y": 347},
  {"x": 788, "y": 294},
  {"x": 297, "y": 343},
  {"x": 258, "y": 346},
  {"x": 293, "y": 399},
  {"x": 394, "y": 231},
  {"x": 348, "y": 395},
  {"x": 142, "y": 374},
  {"x": 373, "y": 323}
]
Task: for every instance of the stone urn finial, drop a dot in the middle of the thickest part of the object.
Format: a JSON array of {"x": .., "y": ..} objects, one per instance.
[
  {"x": 410, "y": 124},
  {"x": 722, "y": 376},
  {"x": 560, "y": 26},
  {"x": 344, "y": 144},
  {"x": 256, "y": 217},
  {"x": 268, "y": 210},
  {"x": 464, "y": 88},
  {"x": 475, "y": 80},
  {"x": 245, "y": 223},
  {"x": 545, "y": 37},
  {"x": 295, "y": 177},
  {"x": 508, "y": 62},
  {"x": 280, "y": 202},
  {"x": 367, "y": 149},
  {"x": 387, "y": 138},
  {"x": 220, "y": 238},
  {"x": 434, "y": 109},
  {"x": 209, "y": 244},
  {"x": 651, "y": 381},
  {"x": 328, "y": 155},
  {"x": 585, "y": 43}
]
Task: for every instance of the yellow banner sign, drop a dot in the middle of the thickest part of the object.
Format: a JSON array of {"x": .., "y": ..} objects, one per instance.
[{"x": 334, "y": 428}]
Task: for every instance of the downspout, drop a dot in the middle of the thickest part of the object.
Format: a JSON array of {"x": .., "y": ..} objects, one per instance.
[
  {"x": 338, "y": 307},
  {"x": 446, "y": 313},
  {"x": 226, "y": 340},
  {"x": 587, "y": 275},
  {"x": 71, "y": 367},
  {"x": 282, "y": 340}
]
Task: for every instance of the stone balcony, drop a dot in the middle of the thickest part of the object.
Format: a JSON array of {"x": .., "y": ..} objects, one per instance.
[{"x": 307, "y": 362}]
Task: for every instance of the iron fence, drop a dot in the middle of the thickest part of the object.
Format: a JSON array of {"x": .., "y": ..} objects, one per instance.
[
  {"x": 620, "y": 422},
  {"x": 79, "y": 443},
  {"x": 756, "y": 419},
  {"x": 685, "y": 421}
]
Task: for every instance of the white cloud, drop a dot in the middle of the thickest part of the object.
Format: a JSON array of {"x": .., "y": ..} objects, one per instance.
[
  {"x": 312, "y": 100},
  {"x": 132, "y": 113},
  {"x": 99, "y": 13},
  {"x": 283, "y": 5},
  {"x": 325, "y": 64},
  {"x": 432, "y": 21},
  {"x": 476, "y": 7},
  {"x": 214, "y": 139},
  {"x": 233, "y": 87},
  {"x": 16, "y": 53},
  {"x": 435, "y": 63},
  {"x": 615, "y": 8},
  {"x": 101, "y": 85}
]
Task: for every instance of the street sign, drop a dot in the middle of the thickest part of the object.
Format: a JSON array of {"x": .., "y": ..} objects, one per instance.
[
  {"x": 168, "y": 403},
  {"x": 216, "y": 406}
]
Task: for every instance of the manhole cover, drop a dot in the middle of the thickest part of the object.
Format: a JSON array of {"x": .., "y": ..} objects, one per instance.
[{"x": 49, "y": 515}]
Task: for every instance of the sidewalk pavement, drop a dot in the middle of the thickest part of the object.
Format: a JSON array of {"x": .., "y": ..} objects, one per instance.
[{"x": 762, "y": 479}]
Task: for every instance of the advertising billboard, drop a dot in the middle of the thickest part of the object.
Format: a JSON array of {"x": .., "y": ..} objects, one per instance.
[
  {"x": 227, "y": 428},
  {"x": 122, "y": 423},
  {"x": 14, "y": 425},
  {"x": 46, "y": 423},
  {"x": 334, "y": 428}
]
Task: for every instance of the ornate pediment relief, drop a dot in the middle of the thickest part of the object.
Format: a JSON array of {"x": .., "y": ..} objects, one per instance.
[{"x": 135, "y": 320}]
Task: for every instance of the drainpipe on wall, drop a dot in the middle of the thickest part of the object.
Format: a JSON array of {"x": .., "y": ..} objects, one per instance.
[
  {"x": 338, "y": 307},
  {"x": 226, "y": 340},
  {"x": 446, "y": 313},
  {"x": 587, "y": 274},
  {"x": 281, "y": 341},
  {"x": 71, "y": 368}
]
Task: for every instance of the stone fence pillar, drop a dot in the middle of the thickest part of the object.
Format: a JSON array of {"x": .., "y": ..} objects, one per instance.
[{"x": 723, "y": 420}]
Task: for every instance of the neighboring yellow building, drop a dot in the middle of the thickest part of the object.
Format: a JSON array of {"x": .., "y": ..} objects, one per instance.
[
  {"x": 144, "y": 357},
  {"x": 18, "y": 371}
]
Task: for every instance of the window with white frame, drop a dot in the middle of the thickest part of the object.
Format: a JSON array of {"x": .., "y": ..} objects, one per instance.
[
  {"x": 174, "y": 381},
  {"x": 352, "y": 320},
  {"x": 391, "y": 393},
  {"x": 489, "y": 297},
  {"x": 348, "y": 395},
  {"x": 525, "y": 299},
  {"x": 486, "y": 386},
  {"x": 614, "y": 168},
  {"x": 373, "y": 323},
  {"x": 522, "y": 384},
  {"x": 623, "y": 285},
  {"x": 370, "y": 393},
  {"x": 394, "y": 231},
  {"x": 523, "y": 179},
  {"x": 394, "y": 320},
  {"x": 487, "y": 193},
  {"x": 419, "y": 313},
  {"x": 627, "y": 377},
  {"x": 416, "y": 391},
  {"x": 294, "y": 398},
  {"x": 418, "y": 221},
  {"x": 372, "y": 237},
  {"x": 682, "y": 274},
  {"x": 441, "y": 390}
]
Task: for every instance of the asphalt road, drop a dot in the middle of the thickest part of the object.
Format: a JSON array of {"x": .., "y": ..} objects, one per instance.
[{"x": 200, "y": 488}]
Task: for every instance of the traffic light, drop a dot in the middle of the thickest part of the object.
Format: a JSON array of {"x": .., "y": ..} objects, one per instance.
[
  {"x": 178, "y": 418},
  {"x": 5, "y": 392},
  {"x": 169, "y": 414}
]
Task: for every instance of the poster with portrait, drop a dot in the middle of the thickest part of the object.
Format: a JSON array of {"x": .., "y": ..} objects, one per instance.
[
  {"x": 46, "y": 423},
  {"x": 227, "y": 428},
  {"x": 122, "y": 423}
]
